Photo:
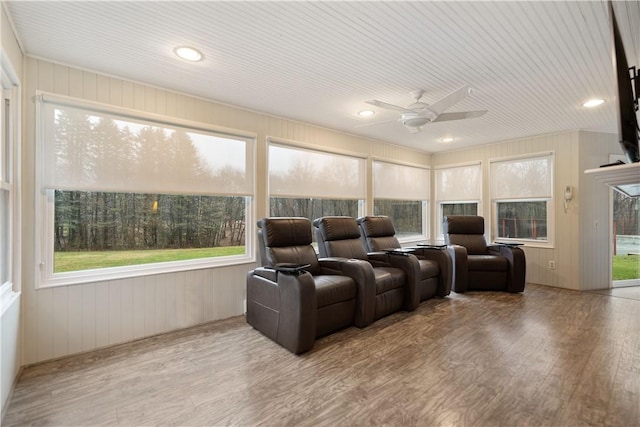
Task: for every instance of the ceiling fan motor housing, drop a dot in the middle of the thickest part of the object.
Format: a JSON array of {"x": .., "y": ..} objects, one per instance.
[{"x": 415, "y": 120}]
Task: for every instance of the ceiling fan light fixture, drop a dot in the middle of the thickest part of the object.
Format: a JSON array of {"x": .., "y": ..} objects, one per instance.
[
  {"x": 447, "y": 140},
  {"x": 593, "y": 102},
  {"x": 414, "y": 120},
  {"x": 188, "y": 53},
  {"x": 366, "y": 113}
]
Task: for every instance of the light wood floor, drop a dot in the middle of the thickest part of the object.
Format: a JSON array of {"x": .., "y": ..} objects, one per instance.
[{"x": 547, "y": 357}]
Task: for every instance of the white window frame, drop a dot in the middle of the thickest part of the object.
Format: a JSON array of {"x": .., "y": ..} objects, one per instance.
[
  {"x": 297, "y": 145},
  {"x": 550, "y": 203},
  {"x": 10, "y": 182},
  {"x": 426, "y": 217},
  {"x": 46, "y": 208},
  {"x": 443, "y": 200}
]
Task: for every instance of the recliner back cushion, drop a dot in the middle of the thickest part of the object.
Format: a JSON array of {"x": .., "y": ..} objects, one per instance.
[
  {"x": 464, "y": 224},
  {"x": 378, "y": 233},
  {"x": 339, "y": 236},
  {"x": 376, "y": 244},
  {"x": 287, "y": 240},
  {"x": 475, "y": 243},
  {"x": 467, "y": 231},
  {"x": 285, "y": 231}
]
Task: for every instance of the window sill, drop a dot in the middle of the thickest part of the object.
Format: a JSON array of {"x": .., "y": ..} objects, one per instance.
[
  {"x": 118, "y": 273},
  {"x": 7, "y": 296}
]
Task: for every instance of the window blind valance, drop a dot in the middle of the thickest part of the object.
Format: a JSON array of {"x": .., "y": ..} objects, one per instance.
[
  {"x": 94, "y": 149},
  {"x": 393, "y": 181},
  {"x": 522, "y": 178},
  {"x": 305, "y": 173},
  {"x": 459, "y": 183}
]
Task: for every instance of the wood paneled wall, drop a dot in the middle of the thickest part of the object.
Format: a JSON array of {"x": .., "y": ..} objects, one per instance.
[{"x": 70, "y": 319}]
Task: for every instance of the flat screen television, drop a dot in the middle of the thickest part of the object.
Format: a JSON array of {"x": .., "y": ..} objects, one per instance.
[{"x": 627, "y": 102}]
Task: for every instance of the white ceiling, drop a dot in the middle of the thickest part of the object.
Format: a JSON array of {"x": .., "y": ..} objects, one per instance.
[{"x": 532, "y": 63}]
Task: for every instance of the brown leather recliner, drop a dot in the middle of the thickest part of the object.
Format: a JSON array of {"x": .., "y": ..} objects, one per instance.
[
  {"x": 479, "y": 267},
  {"x": 296, "y": 297},
  {"x": 436, "y": 264},
  {"x": 397, "y": 276}
]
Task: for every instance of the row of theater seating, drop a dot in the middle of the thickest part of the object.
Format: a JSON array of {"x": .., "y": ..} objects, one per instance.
[{"x": 363, "y": 273}]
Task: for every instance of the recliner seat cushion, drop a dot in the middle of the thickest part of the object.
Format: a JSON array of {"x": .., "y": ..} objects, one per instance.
[
  {"x": 332, "y": 289},
  {"x": 487, "y": 263},
  {"x": 388, "y": 278},
  {"x": 428, "y": 268}
]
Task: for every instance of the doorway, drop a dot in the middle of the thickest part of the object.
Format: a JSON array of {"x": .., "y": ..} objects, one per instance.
[{"x": 626, "y": 240}]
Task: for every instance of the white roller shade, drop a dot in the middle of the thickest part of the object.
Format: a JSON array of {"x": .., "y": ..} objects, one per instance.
[
  {"x": 89, "y": 149},
  {"x": 304, "y": 173},
  {"x": 522, "y": 178},
  {"x": 460, "y": 183},
  {"x": 400, "y": 182}
]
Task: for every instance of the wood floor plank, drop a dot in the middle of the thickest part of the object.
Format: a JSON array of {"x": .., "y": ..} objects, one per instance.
[{"x": 549, "y": 357}]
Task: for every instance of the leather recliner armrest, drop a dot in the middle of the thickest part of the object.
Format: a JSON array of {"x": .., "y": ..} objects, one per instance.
[
  {"x": 517, "y": 265},
  {"x": 460, "y": 269},
  {"x": 378, "y": 259},
  {"x": 362, "y": 273},
  {"x": 298, "y": 312},
  {"x": 266, "y": 273},
  {"x": 445, "y": 258},
  {"x": 409, "y": 264},
  {"x": 285, "y": 310}
]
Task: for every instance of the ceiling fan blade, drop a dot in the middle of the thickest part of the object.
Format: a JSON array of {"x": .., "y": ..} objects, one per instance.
[
  {"x": 459, "y": 116},
  {"x": 376, "y": 123},
  {"x": 387, "y": 106},
  {"x": 450, "y": 100}
]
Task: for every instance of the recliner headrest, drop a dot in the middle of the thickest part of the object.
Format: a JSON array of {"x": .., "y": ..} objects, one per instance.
[
  {"x": 338, "y": 227},
  {"x": 463, "y": 224},
  {"x": 377, "y": 226},
  {"x": 285, "y": 231}
]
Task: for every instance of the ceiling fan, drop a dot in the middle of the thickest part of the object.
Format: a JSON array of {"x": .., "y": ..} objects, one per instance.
[{"x": 418, "y": 114}]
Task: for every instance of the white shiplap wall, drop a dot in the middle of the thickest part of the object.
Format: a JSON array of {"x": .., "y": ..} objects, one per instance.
[
  {"x": 70, "y": 319},
  {"x": 595, "y": 226},
  {"x": 581, "y": 264},
  {"x": 10, "y": 343}
]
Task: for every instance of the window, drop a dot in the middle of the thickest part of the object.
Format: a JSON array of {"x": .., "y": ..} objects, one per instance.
[
  {"x": 521, "y": 191},
  {"x": 402, "y": 192},
  {"x": 458, "y": 191},
  {"x": 128, "y": 193},
  {"x": 6, "y": 190},
  {"x": 311, "y": 183}
]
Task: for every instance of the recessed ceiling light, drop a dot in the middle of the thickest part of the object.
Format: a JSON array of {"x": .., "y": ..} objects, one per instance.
[
  {"x": 447, "y": 140},
  {"x": 593, "y": 103},
  {"x": 188, "y": 53},
  {"x": 366, "y": 113}
]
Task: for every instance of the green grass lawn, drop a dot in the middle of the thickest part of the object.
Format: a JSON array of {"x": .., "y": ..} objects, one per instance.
[
  {"x": 74, "y": 261},
  {"x": 626, "y": 267}
]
